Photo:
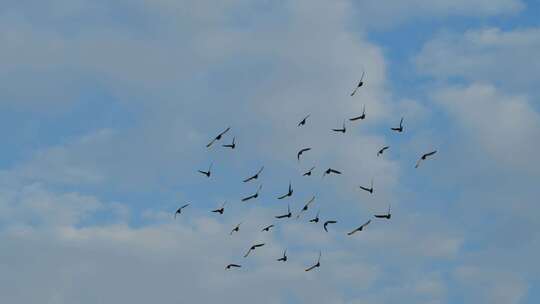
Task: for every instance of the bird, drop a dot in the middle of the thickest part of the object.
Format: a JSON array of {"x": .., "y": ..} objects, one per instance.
[
  {"x": 330, "y": 170},
  {"x": 327, "y": 223},
  {"x": 308, "y": 173},
  {"x": 209, "y": 172},
  {"x": 221, "y": 209},
  {"x": 288, "y": 214},
  {"x": 381, "y": 151},
  {"x": 400, "y": 128},
  {"x": 254, "y": 176},
  {"x": 370, "y": 189},
  {"x": 306, "y": 206},
  {"x": 289, "y": 193},
  {"x": 363, "y": 116},
  {"x": 303, "y": 121},
  {"x": 301, "y": 152},
  {"x": 267, "y": 228},
  {"x": 253, "y": 248},
  {"x": 316, "y": 218},
  {"x": 360, "y": 83},
  {"x": 424, "y": 157},
  {"x": 218, "y": 137},
  {"x": 284, "y": 257},
  {"x": 232, "y": 145},
  {"x": 359, "y": 228},
  {"x": 245, "y": 199},
  {"x": 316, "y": 265},
  {"x": 342, "y": 130},
  {"x": 179, "y": 210},
  {"x": 236, "y": 228},
  {"x": 385, "y": 216},
  {"x": 232, "y": 265}
]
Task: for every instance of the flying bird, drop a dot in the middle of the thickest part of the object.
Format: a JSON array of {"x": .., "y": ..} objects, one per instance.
[
  {"x": 360, "y": 83},
  {"x": 267, "y": 228},
  {"x": 209, "y": 172},
  {"x": 245, "y": 199},
  {"x": 327, "y": 223},
  {"x": 232, "y": 145},
  {"x": 385, "y": 216},
  {"x": 370, "y": 189},
  {"x": 308, "y": 173},
  {"x": 306, "y": 206},
  {"x": 236, "y": 228},
  {"x": 289, "y": 193},
  {"x": 316, "y": 218},
  {"x": 284, "y": 257},
  {"x": 301, "y": 152},
  {"x": 329, "y": 171},
  {"x": 179, "y": 210},
  {"x": 363, "y": 116},
  {"x": 359, "y": 228},
  {"x": 232, "y": 266},
  {"x": 400, "y": 128},
  {"x": 218, "y": 137},
  {"x": 221, "y": 209},
  {"x": 424, "y": 157},
  {"x": 342, "y": 130},
  {"x": 254, "y": 176},
  {"x": 318, "y": 264},
  {"x": 288, "y": 214},
  {"x": 253, "y": 248},
  {"x": 303, "y": 121},
  {"x": 381, "y": 151}
]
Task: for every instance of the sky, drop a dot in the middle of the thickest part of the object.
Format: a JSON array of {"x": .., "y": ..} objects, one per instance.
[{"x": 106, "y": 108}]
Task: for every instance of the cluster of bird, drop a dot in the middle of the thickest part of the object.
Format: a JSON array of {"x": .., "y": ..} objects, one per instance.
[{"x": 290, "y": 190}]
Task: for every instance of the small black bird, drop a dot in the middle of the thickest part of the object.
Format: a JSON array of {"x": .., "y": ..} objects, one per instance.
[
  {"x": 179, "y": 210},
  {"x": 318, "y": 264},
  {"x": 284, "y": 257},
  {"x": 236, "y": 228},
  {"x": 218, "y": 137},
  {"x": 253, "y": 248},
  {"x": 309, "y": 172},
  {"x": 303, "y": 121},
  {"x": 221, "y": 209},
  {"x": 232, "y": 145},
  {"x": 400, "y": 128},
  {"x": 289, "y": 193},
  {"x": 254, "y": 176},
  {"x": 385, "y": 216},
  {"x": 370, "y": 189},
  {"x": 288, "y": 214},
  {"x": 342, "y": 130},
  {"x": 245, "y": 199},
  {"x": 316, "y": 218},
  {"x": 424, "y": 157},
  {"x": 360, "y": 83},
  {"x": 363, "y": 116},
  {"x": 209, "y": 172},
  {"x": 232, "y": 265},
  {"x": 306, "y": 206},
  {"x": 267, "y": 228},
  {"x": 330, "y": 170},
  {"x": 381, "y": 151},
  {"x": 359, "y": 228},
  {"x": 326, "y": 224},
  {"x": 301, "y": 152}
]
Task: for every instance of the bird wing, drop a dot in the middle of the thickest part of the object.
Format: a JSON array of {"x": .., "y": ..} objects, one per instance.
[
  {"x": 210, "y": 143},
  {"x": 184, "y": 206},
  {"x": 311, "y": 268},
  {"x": 249, "y": 178},
  {"x": 335, "y": 171},
  {"x": 366, "y": 223},
  {"x": 429, "y": 154},
  {"x": 260, "y": 170},
  {"x": 223, "y": 133},
  {"x": 258, "y": 245},
  {"x": 364, "y": 188},
  {"x": 247, "y": 253},
  {"x": 418, "y": 163}
]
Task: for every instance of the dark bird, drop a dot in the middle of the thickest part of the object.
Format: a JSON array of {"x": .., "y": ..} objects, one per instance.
[
  {"x": 309, "y": 172},
  {"x": 330, "y": 170},
  {"x": 303, "y": 121},
  {"x": 370, "y": 189},
  {"x": 209, "y": 172},
  {"x": 301, "y": 152},
  {"x": 359, "y": 228},
  {"x": 360, "y": 83},
  {"x": 236, "y": 228},
  {"x": 424, "y": 157},
  {"x": 232, "y": 145},
  {"x": 318, "y": 264},
  {"x": 254, "y": 176},
  {"x": 284, "y": 257},
  {"x": 267, "y": 228},
  {"x": 327, "y": 223},
  {"x": 363, "y": 116},
  {"x": 288, "y": 214},
  {"x": 385, "y": 216},
  {"x": 179, "y": 210},
  {"x": 232, "y": 266},
  {"x": 218, "y": 137},
  {"x": 306, "y": 206},
  {"x": 400, "y": 128},
  {"x": 245, "y": 199},
  {"x": 289, "y": 193},
  {"x": 253, "y": 248},
  {"x": 316, "y": 218},
  {"x": 342, "y": 130},
  {"x": 221, "y": 209},
  {"x": 381, "y": 151}
]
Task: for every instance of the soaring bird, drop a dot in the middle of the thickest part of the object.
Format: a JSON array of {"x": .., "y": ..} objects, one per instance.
[
  {"x": 301, "y": 152},
  {"x": 253, "y": 248},
  {"x": 288, "y": 214},
  {"x": 363, "y": 116},
  {"x": 359, "y": 228},
  {"x": 289, "y": 192},
  {"x": 360, "y": 83},
  {"x": 318, "y": 264},
  {"x": 221, "y": 209},
  {"x": 253, "y": 177},
  {"x": 284, "y": 257},
  {"x": 232, "y": 145},
  {"x": 306, "y": 206},
  {"x": 218, "y": 137},
  {"x": 245, "y": 199},
  {"x": 329, "y": 171},
  {"x": 381, "y": 151},
  {"x": 370, "y": 189},
  {"x": 179, "y": 210},
  {"x": 236, "y": 228},
  {"x": 400, "y": 128},
  {"x": 342, "y": 130},
  {"x": 232, "y": 266},
  {"x": 207, "y": 173},
  {"x": 308, "y": 173},
  {"x": 385, "y": 216},
  {"x": 267, "y": 228},
  {"x": 327, "y": 223},
  {"x": 424, "y": 157},
  {"x": 303, "y": 121},
  {"x": 316, "y": 218}
]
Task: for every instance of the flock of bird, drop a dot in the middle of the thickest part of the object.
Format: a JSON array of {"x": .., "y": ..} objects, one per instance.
[{"x": 290, "y": 190}]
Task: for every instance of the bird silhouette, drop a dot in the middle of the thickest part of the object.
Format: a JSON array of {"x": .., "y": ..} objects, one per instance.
[
  {"x": 370, "y": 189},
  {"x": 284, "y": 257},
  {"x": 360, "y": 83},
  {"x": 232, "y": 145},
  {"x": 329, "y": 171},
  {"x": 363, "y": 116},
  {"x": 232, "y": 266},
  {"x": 236, "y": 228},
  {"x": 400, "y": 128},
  {"x": 301, "y": 152},
  {"x": 289, "y": 192},
  {"x": 381, "y": 151},
  {"x": 316, "y": 265},
  {"x": 424, "y": 157},
  {"x": 327, "y": 223},
  {"x": 342, "y": 130},
  {"x": 207, "y": 173},
  {"x": 308, "y": 173},
  {"x": 179, "y": 210},
  {"x": 221, "y": 209},
  {"x": 306, "y": 206},
  {"x": 385, "y": 216},
  {"x": 288, "y": 214},
  {"x": 218, "y": 137},
  {"x": 316, "y": 218},
  {"x": 245, "y": 199},
  {"x": 253, "y": 177},
  {"x": 359, "y": 228},
  {"x": 303, "y": 121},
  {"x": 253, "y": 248},
  {"x": 267, "y": 228}
]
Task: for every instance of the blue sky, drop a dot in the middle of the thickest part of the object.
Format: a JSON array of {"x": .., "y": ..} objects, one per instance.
[{"x": 105, "y": 109}]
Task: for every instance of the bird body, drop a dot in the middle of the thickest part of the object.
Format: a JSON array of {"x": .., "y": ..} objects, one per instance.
[
  {"x": 342, "y": 130},
  {"x": 303, "y": 121},
  {"x": 387, "y": 216},
  {"x": 360, "y": 83},
  {"x": 253, "y": 248},
  {"x": 245, "y": 199},
  {"x": 284, "y": 257},
  {"x": 363, "y": 116},
  {"x": 267, "y": 228},
  {"x": 370, "y": 189},
  {"x": 381, "y": 151},
  {"x": 327, "y": 223},
  {"x": 400, "y": 128},
  {"x": 221, "y": 209},
  {"x": 301, "y": 152},
  {"x": 256, "y": 176},
  {"x": 316, "y": 218},
  {"x": 316, "y": 265},
  {"x": 232, "y": 266},
  {"x": 179, "y": 210},
  {"x": 359, "y": 228},
  {"x": 424, "y": 157},
  {"x": 236, "y": 228},
  {"x": 330, "y": 170},
  {"x": 287, "y": 215},
  {"x": 309, "y": 172},
  {"x": 289, "y": 192},
  {"x": 218, "y": 137},
  {"x": 232, "y": 145}
]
